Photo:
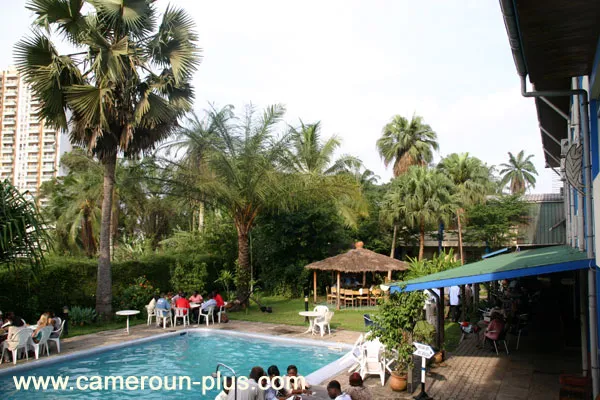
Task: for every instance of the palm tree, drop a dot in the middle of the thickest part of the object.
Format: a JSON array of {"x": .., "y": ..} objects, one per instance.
[
  {"x": 405, "y": 143},
  {"x": 124, "y": 88},
  {"x": 519, "y": 173},
  {"x": 472, "y": 180},
  {"x": 243, "y": 175},
  {"x": 421, "y": 197},
  {"x": 23, "y": 236},
  {"x": 310, "y": 155}
]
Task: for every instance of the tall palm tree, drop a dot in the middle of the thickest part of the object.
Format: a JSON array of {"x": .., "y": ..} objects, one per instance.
[
  {"x": 311, "y": 155},
  {"x": 121, "y": 91},
  {"x": 243, "y": 174},
  {"x": 519, "y": 173},
  {"x": 472, "y": 180},
  {"x": 404, "y": 143},
  {"x": 420, "y": 198}
]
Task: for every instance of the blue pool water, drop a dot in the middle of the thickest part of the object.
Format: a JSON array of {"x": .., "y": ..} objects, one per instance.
[{"x": 195, "y": 354}]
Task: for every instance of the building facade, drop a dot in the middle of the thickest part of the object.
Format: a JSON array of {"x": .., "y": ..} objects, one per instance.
[{"x": 29, "y": 150}]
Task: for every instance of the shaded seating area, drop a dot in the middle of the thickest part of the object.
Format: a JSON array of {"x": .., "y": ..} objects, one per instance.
[{"x": 355, "y": 261}]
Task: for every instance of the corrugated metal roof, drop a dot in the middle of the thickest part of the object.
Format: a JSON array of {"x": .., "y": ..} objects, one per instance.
[
  {"x": 539, "y": 197},
  {"x": 545, "y": 224}
]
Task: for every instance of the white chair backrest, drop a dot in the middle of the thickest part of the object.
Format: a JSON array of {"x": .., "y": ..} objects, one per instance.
[
  {"x": 46, "y": 332},
  {"x": 209, "y": 309},
  {"x": 328, "y": 316},
  {"x": 321, "y": 309},
  {"x": 373, "y": 348},
  {"x": 60, "y": 322},
  {"x": 23, "y": 336},
  {"x": 180, "y": 312}
]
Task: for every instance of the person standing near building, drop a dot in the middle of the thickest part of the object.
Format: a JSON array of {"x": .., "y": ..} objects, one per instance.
[{"x": 454, "y": 303}]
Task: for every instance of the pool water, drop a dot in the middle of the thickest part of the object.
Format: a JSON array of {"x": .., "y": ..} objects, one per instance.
[{"x": 195, "y": 354}]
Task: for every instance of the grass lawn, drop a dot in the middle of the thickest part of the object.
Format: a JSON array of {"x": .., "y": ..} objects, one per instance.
[{"x": 118, "y": 323}]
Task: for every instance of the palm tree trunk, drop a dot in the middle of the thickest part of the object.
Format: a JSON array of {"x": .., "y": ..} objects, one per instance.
[
  {"x": 243, "y": 264},
  {"x": 201, "y": 216},
  {"x": 460, "y": 241},
  {"x": 393, "y": 252},
  {"x": 104, "y": 284},
  {"x": 421, "y": 239}
]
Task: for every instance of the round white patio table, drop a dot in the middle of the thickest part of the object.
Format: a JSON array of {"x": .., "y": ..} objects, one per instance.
[
  {"x": 311, "y": 319},
  {"x": 127, "y": 313},
  {"x": 195, "y": 305}
]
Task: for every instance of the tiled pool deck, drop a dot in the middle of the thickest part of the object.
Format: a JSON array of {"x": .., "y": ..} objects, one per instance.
[{"x": 469, "y": 373}]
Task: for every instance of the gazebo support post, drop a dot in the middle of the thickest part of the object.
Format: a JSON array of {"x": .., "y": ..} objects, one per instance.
[
  {"x": 389, "y": 277},
  {"x": 441, "y": 311},
  {"x": 338, "y": 290},
  {"x": 364, "y": 279},
  {"x": 315, "y": 286}
]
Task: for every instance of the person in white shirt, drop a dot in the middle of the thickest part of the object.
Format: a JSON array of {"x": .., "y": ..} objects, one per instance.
[
  {"x": 430, "y": 306},
  {"x": 228, "y": 383},
  {"x": 455, "y": 302},
  {"x": 253, "y": 391},
  {"x": 334, "y": 390}
]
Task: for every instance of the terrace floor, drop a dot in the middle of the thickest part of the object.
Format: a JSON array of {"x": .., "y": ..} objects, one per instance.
[{"x": 469, "y": 373}]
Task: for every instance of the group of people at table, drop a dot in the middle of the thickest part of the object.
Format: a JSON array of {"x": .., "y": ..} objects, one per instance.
[
  {"x": 11, "y": 325},
  {"x": 256, "y": 389},
  {"x": 193, "y": 304}
]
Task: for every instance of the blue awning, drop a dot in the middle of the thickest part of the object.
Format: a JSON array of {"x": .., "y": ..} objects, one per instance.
[{"x": 508, "y": 266}]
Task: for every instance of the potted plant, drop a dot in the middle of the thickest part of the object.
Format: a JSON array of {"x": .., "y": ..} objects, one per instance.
[
  {"x": 399, "y": 376},
  {"x": 424, "y": 332}
]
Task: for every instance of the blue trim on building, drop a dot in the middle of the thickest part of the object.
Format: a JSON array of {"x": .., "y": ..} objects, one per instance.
[
  {"x": 498, "y": 276},
  {"x": 596, "y": 65},
  {"x": 594, "y": 138},
  {"x": 495, "y": 253}
]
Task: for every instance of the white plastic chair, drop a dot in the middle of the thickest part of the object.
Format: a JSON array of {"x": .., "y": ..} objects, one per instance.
[
  {"x": 151, "y": 313},
  {"x": 184, "y": 314},
  {"x": 321, "y": 309},
  {"x": 207, "y": 314},
  {"x": 55, "y": 336},
  {"x": 222, "y": 310},
  {"x": 373, "y": 362},
  {"x": 43, "y": 342},
  {"x": 23, "y": 338},
  {"x": 323, "y": 322},
  {"x": 165, "y": 315},
  {"x": 357, "y": 353}
]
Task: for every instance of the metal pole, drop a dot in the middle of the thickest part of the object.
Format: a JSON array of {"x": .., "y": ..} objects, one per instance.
[{"x": 583, "y": 322}]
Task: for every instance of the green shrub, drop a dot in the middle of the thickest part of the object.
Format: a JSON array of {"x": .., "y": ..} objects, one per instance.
[
  {"x": 189, "y": 277},
  {"x": 82, "y": 315},
  {"x": 135, "y": 296}
]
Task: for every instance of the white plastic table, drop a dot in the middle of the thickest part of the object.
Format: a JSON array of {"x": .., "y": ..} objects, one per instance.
[
  {"x": 127, "y": 313},
  {"x": 311, "y": 319}
]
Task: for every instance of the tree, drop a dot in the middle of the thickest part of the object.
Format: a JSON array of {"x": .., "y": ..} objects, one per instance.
[
  {"x": 519, "y": 173},
  {"x": 124, "y": 88},
  {"x": 494, "y": 222},
  {"x": 405, "y": 143},
  {"x": 472, "y": 181},
  {"x": 23, "y": 235},
  {"x": 421, "y": 197},
  {"x": 244, "y": 176}
]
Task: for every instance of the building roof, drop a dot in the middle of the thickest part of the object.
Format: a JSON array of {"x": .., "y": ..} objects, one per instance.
[
  {"x": 509, "y": 266},
  {"x": 543, "y": 197},
  {"x": 359, "y": 260}
]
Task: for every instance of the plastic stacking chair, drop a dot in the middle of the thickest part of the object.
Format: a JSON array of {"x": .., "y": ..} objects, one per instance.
[
  {"x": 207, "y": 314},
  {"x": 23, "y": 338},
  {"x": 357, "y": 353},
  {"x": 322, "y": 322},
  {"x": 55, "y": 336},
  {"x": 222, "y": 310},
  {"x": 321, "y": 309},
  {"x": 164, "y": 315},
  {"x": 183, "y": 314},
  {"x": 43, "y": 342},
  {"x": 522, "y": 325},
  {"x": 373, "y": 362},
  {"x": 151, "y": 313}
]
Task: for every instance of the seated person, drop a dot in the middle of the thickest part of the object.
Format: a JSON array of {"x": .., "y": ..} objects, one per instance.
[
  {"x": 358, "y": 391},
  {"x": 162, "y": 308},
  {"x": 196, "y": 297},
  {"x": 208, "y": 303},
  {"x": 218, "y": 299},
  {"x": 253, "y": 391},
  {"x": 15, "y": 325},
  {"x": 183, "y": 302},
  {"x": 334, "y": 390},
  {"x": 495, "y": 327},
  {"x": 292, "y": 371},
  {"x": 271, "y": 393},
  {"x": 43, "y": 322},
  {"x": 152, "y": 305},
  {"x": 227, "y": 387}
]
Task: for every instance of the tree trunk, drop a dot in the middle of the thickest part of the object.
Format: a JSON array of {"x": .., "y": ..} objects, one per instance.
[
  {"x": 421, "y": 239},
  {"x": 460, "y": 241},
  {"x": 243, "y": 265},
  {"x": 104, "y": 284},
  {"x": 393, "y": 252},
  {"x": 201, "y": 217}
]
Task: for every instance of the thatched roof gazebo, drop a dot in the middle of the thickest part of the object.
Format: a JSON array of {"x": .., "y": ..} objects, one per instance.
[{"x": 355, "y": 261}]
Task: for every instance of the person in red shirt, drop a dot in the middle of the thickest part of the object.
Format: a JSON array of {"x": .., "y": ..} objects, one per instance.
[
  {"x": 183, "y": 302},
  {"x": 218, "y": 299}
]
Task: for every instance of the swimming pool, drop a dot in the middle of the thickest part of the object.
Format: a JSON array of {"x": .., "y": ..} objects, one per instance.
[{"x": 193, "y": 353}]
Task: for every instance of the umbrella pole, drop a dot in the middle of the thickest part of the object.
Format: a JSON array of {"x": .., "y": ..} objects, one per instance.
[
  {"x": 315, "y": 286},
  {"x": 338, "y": 291}
]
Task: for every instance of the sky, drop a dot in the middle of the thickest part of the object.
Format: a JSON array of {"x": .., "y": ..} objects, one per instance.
[{"x": 354, "y": 64}]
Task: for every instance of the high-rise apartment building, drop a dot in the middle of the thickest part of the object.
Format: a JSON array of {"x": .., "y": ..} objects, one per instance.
[{"x": 29, "y": 151}]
